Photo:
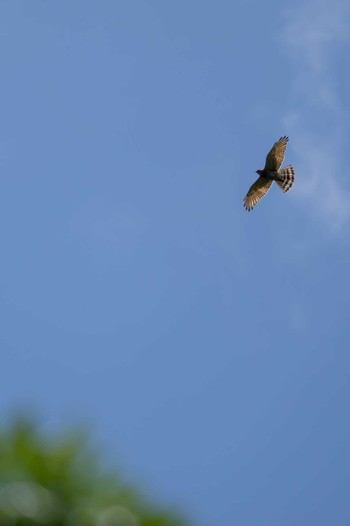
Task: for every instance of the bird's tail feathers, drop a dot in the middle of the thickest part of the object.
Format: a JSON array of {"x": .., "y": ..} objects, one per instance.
[{"x": 286, "y": 180}]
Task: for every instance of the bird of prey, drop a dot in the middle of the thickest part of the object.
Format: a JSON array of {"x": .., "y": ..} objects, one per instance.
[{"x": 284, "y": 178}]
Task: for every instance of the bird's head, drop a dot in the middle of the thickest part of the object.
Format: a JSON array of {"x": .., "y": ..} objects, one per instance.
[{"x": 259, "y": 172}]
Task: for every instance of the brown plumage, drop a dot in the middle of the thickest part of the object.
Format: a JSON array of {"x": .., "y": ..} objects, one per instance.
[
  {"x": 284, "y": 178},
  {"x": 275, "y": 157}
]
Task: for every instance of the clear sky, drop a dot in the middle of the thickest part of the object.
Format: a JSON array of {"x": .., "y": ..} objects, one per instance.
[{"x": 207, "y": 347}]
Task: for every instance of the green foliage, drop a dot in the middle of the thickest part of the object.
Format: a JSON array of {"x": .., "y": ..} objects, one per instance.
[{"x": 58, "y": 481}]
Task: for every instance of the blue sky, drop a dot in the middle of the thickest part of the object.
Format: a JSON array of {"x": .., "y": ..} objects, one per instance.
[{"x": 207, "y": 348}]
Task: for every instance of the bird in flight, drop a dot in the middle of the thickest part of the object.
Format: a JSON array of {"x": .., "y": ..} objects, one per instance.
[{"x": 284, "y": 178}]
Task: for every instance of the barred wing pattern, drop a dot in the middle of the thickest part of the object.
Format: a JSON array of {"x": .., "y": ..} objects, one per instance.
[
  {"x": 256, "y": 192},
  {"x": 275, "y": 156}
]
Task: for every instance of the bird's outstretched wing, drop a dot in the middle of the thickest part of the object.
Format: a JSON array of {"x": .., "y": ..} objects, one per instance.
[
  {"x": 256, "y": 192},
  {"x": 275, "y": 156}
]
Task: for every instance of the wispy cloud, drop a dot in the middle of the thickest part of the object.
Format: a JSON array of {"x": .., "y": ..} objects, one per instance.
[{"x": 312, "y": 35}]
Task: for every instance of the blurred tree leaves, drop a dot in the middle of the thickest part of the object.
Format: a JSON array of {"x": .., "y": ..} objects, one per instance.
[{"x": 58, "y": 481}]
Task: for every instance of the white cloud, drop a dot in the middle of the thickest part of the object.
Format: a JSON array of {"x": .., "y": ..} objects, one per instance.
[
  {"x": 311, "y": 34},
  {"x": 320, "y": 185},
  {"x": 314, "y": 27}
]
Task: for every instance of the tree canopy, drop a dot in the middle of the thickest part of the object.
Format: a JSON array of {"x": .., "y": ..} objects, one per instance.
[{"x": 59, "y": 480}]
